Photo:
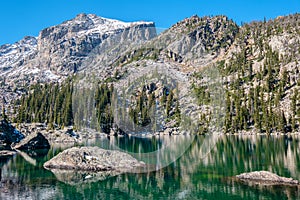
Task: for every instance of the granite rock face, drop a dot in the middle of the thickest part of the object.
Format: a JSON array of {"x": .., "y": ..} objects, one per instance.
[
  {"x": 64, "y": 47},
  {"x": 93, "y": 159}
]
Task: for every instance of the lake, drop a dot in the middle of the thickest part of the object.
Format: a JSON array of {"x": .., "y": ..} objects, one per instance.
[{"x": 202, "y": 169}]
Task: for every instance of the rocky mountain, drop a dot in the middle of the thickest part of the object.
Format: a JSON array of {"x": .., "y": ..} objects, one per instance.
[
  {"x": 262, "y": 73},
  {"x": 60, "y": 50},
  {"x": 256, "y": 65}
]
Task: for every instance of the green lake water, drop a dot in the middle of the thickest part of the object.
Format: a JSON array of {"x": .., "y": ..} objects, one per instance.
[{"x": 203, "y": 171}]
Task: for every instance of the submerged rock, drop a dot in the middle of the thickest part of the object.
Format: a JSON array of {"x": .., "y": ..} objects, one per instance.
[
  {"x": 33, "y": 141},
  {"x": 94, "y": 159},
  {"x": 266, "y": 178}
]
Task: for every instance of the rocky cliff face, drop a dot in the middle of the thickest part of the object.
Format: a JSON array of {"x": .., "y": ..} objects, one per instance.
[
  {"x": 193, "y": 41},
  {"x": 197, "y": 38},
  {"x": 62, "y": 48},
  {"x": 16, "y": 54}
]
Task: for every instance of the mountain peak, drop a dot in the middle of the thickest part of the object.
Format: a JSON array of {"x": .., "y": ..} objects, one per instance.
[
  {"x": 84, "y": 24},
  {"x": 81, "y": 16}
]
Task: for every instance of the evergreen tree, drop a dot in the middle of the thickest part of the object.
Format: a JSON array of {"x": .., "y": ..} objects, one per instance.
[
  {"x": 4, "y": 116},
  {"x": 294, "y": 108}
]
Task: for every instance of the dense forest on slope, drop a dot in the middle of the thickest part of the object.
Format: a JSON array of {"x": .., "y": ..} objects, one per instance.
[
  {"x": 262, "y": 82},
  {"x": 47, "y": 103},
  {"x": 52, "y": 104}
]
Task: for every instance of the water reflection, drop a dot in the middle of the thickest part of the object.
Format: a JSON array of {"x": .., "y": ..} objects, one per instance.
[{"x": 192, "y": 176}]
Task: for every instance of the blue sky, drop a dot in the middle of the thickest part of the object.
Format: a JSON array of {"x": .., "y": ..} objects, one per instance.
[{"x": 20, "y": 18}]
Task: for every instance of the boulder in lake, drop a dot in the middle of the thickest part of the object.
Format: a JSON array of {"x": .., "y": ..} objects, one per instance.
[
  {"x": 94, "y": 159},
  {"x": 8, "y": 135},
  {"x": 33, "y": 141},
  {"x": 266, "y": 178}
]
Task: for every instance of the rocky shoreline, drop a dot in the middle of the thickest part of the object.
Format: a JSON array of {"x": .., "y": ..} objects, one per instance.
[
  {"x": 29, "y": 136},
  {"x": 65, "y": 135},
  {"x": 13, "y": 135}
]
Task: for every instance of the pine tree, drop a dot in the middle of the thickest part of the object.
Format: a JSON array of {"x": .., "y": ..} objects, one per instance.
[
  {"x": 169, "y": 103},
  {"x": 228, "y": 116},
  {"x": 294, "y": 108},
  {"x": 4, "y": 116},
  {"x": 282, "y": 122}
]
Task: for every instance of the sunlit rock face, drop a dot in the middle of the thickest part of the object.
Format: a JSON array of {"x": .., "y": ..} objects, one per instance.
[{"x": 63, "y": 47}]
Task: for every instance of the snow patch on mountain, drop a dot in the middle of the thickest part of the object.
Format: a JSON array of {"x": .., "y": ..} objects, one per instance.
[
  {"x": 100, "y": 25},
  {"x": 15, "y": 54}
]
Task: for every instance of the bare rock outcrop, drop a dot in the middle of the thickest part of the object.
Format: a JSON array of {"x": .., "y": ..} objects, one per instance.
[{"x": 33, "y": 141}]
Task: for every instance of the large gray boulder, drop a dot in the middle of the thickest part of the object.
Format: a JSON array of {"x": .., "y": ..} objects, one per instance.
[
  {"x": 266, "y": 178},
  {"x": 32, "y": 142},
  {"x": 94, "y": 159}
]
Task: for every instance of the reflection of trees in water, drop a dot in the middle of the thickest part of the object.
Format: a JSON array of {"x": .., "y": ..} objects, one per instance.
[
  {"x": 136, "y": 144},
  {"x": 191, "y": 177},
  {"x": 188, "y": 177},
  {"x": 249, "y": 153},
  {"x": 231, "y": 155}
]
